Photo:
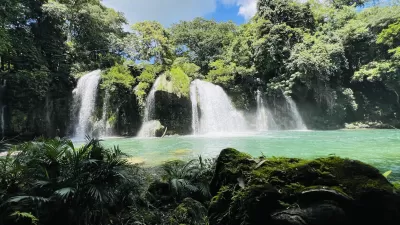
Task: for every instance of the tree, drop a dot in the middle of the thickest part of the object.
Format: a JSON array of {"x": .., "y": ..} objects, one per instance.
[
  {"x": 202, "y": 41},
  {"x": 290, "y": 12},
  {"x": 341, "y": 3},
  {"x": 150, "y": 41},
  {"x": 318, "y": 61},
  {"x": 387, "y": 70},
  {"x": 90, "y": 28}
]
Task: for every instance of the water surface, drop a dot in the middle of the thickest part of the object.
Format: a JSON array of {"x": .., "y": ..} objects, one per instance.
[{"x": 380, "y": 148}]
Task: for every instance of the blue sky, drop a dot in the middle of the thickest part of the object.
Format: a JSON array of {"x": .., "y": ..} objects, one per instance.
[
  {"x": 168, "y": 12},
  {"x": 226, "y": 13}
]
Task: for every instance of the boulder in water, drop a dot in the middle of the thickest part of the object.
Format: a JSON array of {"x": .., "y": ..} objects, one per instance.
[{"x": 295, "y": 191}]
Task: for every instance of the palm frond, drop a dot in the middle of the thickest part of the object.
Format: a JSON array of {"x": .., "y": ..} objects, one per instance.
[
  {"x": 65, "y": 193},
  {"x": 26, "y": 198}
]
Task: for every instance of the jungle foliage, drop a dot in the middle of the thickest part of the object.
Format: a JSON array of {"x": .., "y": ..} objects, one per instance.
[
  {"x": 340, "y": 63},
  {"x": 54, "y": 182}
]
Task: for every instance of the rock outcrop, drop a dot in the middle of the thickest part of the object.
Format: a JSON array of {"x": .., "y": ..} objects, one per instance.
[
  {"x": 285, "y": 191},
  {"x": 173, "y": 105}
]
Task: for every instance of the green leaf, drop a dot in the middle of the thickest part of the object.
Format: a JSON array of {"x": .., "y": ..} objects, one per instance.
[
  {"x": 387, "y": 173},
  {"x": 26, "y": 215}
]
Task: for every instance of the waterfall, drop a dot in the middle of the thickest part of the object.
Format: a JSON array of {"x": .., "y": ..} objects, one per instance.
[
  {"x": 264, "y": 119},
  {"x": 149, "y": 112},
  {"x": 49, "y": 110},
  {"x": 85, "y": 98},
  {"x": 195, "y": 109},
  {"x": 298, "y": 121},
  {"x": 102, "y": 127},
  {"x": 105, "y": 126},
  {"x": 2, "y": 120},
  {"x": 217, "y": 114},
  {"x": 150, "y": 129},
  {"x": 3, "y": 107}
]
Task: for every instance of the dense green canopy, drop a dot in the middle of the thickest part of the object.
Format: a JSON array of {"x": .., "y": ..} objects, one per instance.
[{"x": 339, "y": 62}]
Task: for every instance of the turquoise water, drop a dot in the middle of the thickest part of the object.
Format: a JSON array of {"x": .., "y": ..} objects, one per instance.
[{"x": 380, "y": 148}]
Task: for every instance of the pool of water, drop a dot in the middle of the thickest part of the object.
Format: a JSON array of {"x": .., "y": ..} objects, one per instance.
[{"x": 380, "y": 148}]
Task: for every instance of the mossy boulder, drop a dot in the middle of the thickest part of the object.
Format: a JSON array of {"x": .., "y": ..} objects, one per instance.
[
  {"x": 295, "y": 191},
  {"x": 173, "y": 105},
  {"x": 189, "y": 212}
]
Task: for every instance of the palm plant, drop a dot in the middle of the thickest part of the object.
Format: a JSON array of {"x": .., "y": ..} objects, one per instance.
[
  {"x": 59, "y": 181},
  {"x": 188, "y": 178},
  {"x": 180, "y": 175}
]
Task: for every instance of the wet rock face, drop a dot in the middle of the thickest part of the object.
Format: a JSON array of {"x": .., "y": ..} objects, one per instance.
[
  {"x": 282, "y": 191},
  {"x": 174, "y": 112}
]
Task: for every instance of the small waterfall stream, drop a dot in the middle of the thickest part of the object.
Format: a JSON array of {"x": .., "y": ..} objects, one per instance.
[
  {"x": 2, "y": 120},
  {"x": 298, "y": 120},
  {"x": 264, "y": 119},
  {"x": 3, "y": 107},
  {"x": 149, "y": 126},
  {"x": 85, "y": 98},
  {"x": 216, "y": 114},
  {"x": 105, "y": 127},
  {"x": 195, "y": 109}
]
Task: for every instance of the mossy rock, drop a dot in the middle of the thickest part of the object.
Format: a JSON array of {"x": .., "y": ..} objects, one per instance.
[
  {"x": 245, "y": 188},
  {"x": 176, "y": 82},
  {"x": 173, "y": 105},
  {"x": 174, "y": 112},
  {"x": 189, "y": 212}
]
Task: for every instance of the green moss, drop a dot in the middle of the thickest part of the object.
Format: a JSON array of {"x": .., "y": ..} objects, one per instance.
[
  {"x": 243, "y": 186},
  {"x": 146, "y": 80},
  {"x": 175, "y": 81},
  {"x": 396, "y": 186},
  {"x": 190, "y": 212}
]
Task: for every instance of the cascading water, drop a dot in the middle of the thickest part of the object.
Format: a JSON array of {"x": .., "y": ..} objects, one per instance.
[
  {"x": 217, "y": 114},
  {"x": 2, "y": 121},
  {"x": 102, "y": 127},
  {"x": 49, "y": 109},
  {"x": 148, "y": 125},
  {"x": 264, "y": 119},
  {"x": 195, "y": 109},
  {"x": 298, "y": 121},
  {"x": 3, "y": 107},
  {"x": 85, "y": 96},
  {"x": 105, "y": 126}
]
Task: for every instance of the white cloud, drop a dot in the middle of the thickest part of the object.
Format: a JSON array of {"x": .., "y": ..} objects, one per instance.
[
  {"x": 248, "y": 8},
  {"x": 168, "y": 12}
]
